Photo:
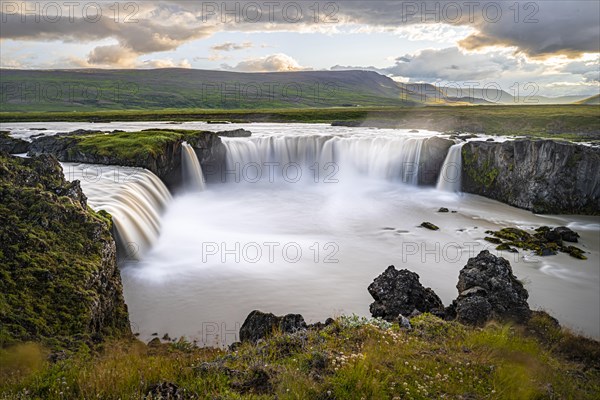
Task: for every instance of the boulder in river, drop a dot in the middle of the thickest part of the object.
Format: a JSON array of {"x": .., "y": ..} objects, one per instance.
[
  {"x": 399, "y": 292},
  {"x": 429, "y": 226},
  {"x": 488, "y": 290}
]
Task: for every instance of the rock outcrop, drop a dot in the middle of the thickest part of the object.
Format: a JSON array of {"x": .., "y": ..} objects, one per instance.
[
  {"x": 11, "y": 145},
  {"x": 164, "y": 159},
  {"x": 60, "y": 282},
  {"x": 543, "y": 176},
  {"x": 488, "y": 290},
  {"x": 259, "y": 325},
  {"x": 235, "y": 133},
  {"x": 433, "y": 154},
  {"x": 399, "y": 292}
]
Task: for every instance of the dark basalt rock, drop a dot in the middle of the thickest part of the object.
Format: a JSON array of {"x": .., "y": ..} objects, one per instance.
[
  {"x": 433, "y": 154},
  {"x": 567, "y": 234},
  {"x": 489, "y": 290},
  {"x": 443, "y": 210},
  {"x": 11, "y": 145},
  {"x": 400, "y": 293},
  {"x": 166, "y": 163},
  {"x": 429, "y": 226},
  {"x": 165, "y": 391},
  {"x": 235, "y": 133},
  {"x": 543, "y": 176},
  {"x": 259, "y": 325},
  {"x": 350, "y": 124}
]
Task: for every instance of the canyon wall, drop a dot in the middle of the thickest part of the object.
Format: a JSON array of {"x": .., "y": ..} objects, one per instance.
[{"x": 544, "y": 176}]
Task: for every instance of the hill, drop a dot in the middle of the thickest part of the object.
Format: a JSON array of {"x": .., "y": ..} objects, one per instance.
[
  {"x": 590, "y": 100},
  {"x": 88, "y": 90}
]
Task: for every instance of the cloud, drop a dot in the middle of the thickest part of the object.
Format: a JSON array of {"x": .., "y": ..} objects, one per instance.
[
  {"x": 539, "y": 29},
  {"x": 589, "y": 70},
  {"x": 452, "y": 64},
  {"x": 544, "y": 29},
  {"x": 164, "y": 63},
  {"x": 229, "y": 46},
  {"x": 149, "y": 34},
  {"x": 113, "y": 55},
  {"x": 273, "y": 63}
]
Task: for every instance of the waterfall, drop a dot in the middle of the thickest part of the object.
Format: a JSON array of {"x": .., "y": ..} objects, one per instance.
[
  {"x": 134, "y": 197},
  {"x": 393, "y": 158},
  {"x": 193, "y": 179},
  {"x": 450, "y": 174}
]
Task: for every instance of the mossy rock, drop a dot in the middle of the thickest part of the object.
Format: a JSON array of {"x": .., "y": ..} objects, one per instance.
[
  {"x": 575, "y": 252},
  {"x": 492, "y": 240},
  {"x": 59, "y": 282},
  {"x": 430, "y": 226}
]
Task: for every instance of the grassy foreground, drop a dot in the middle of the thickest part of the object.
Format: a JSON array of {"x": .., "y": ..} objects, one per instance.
[
  {"x": 570, "y": 121},
  {"x": 353, "y": 358}
]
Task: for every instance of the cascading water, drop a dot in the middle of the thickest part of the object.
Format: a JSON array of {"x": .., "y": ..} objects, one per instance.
[
  {"x": 450, "y": 174},
  {"x": 134, "y": 197},
  {"x": 193, "y": 179},
  {"x": 388, "y": 158},
  {"x": 232, "y": 248}
]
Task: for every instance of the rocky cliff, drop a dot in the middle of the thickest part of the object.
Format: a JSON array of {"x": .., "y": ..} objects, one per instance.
[
  {"x": 156, "y": 150},
  {"x": 433, "y": 154},
  {"x": 543, "y": 176},
  {"x": 59, "y": 277}
]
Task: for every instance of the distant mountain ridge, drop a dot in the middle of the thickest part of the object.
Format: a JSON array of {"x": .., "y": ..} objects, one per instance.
[{"x": 172, "y": 88}]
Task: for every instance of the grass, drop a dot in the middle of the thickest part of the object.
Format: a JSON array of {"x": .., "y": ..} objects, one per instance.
[
  {"x": 349, "y": 359},
  {"x": 132, "y": 145},
  {"x": 572, "y": 122}
]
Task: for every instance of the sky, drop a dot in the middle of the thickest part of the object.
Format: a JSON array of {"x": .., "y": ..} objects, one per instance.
[{"x": 544, "y": 47}]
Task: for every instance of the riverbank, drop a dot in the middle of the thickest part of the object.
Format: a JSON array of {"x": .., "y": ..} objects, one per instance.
[
  {"x": 571, "y": 122},
  {"x": 351, "y": 358}
]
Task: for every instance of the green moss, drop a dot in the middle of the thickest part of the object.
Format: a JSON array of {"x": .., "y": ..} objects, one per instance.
[
  {"x": 574, "y": 158},
  {"x": 483, "y": 174},
  {"x": 574, "y": 252},
  {"x": 492, "y": 240},
  {"x": 430, "y": 226},
  {"x": 128, "y": 145},
  {"x": 51, "y": 248},
  {"x": 503, "y": 247},
  {"x": 537, "y": 242}
]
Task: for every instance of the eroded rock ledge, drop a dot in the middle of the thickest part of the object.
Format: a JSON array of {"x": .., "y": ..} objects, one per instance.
[
  {"x": 543, "y": 176},
  {"x": 157, "y": 150}
]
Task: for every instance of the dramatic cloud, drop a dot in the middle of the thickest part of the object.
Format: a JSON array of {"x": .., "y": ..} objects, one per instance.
[
  {"x": 544, "y": 28},
  {"x": 538, "y": 29},
  {"x": 273, "y": 63}
]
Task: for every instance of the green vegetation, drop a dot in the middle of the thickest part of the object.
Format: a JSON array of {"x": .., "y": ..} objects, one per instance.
[
  {"x": 91, "y": 90},
  {"x": 128, "y": 145},
  {"x": 430, "y": 226},
  {"x": 483, "y": 175},
  {"x": 571, "y": 122},
  {"x": 543, "y": 242},
  {"x": 52, "y": 250},
  {"x": 352, "y": 358}
]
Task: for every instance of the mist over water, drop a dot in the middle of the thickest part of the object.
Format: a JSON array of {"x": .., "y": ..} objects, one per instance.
[{"x": 312, "y": 246}]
